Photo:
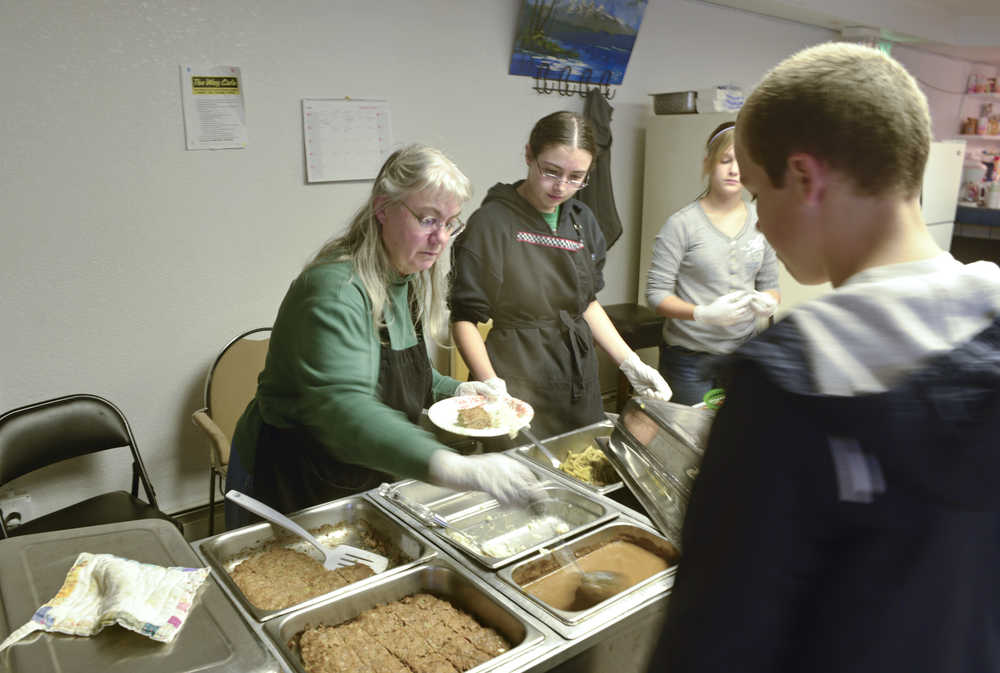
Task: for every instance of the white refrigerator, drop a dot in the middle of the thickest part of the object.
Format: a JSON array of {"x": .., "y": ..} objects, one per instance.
[{"x": 942, "y": 182}]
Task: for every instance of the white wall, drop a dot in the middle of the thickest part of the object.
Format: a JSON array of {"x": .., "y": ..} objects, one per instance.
[
  {"x": 127, "y": 262},
  {"x": 966, "y": 24},
  {"x": 943, "y": 81}
]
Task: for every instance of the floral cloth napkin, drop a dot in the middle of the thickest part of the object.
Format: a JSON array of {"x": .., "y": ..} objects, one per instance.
[{"x": 103, "y": 589}]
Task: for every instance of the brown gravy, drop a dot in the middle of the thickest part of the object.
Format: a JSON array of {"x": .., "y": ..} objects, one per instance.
[{"x": 558, "y": 588}]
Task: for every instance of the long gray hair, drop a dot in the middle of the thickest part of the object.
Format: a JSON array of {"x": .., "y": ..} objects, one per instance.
[{"x": 409, "y": 170}]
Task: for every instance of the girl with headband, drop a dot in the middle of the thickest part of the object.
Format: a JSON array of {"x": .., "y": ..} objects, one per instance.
[{"x": 712, "y": 274}]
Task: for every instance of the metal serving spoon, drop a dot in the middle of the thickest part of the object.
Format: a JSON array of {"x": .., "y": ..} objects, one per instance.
[
  {"x": 429, "y": 517},
  {"x": 595, "y": 585},
  {"x": 530, "y": 436}
]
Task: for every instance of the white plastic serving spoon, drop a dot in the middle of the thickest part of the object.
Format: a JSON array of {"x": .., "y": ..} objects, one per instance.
[{"x": 333, "y": 558}]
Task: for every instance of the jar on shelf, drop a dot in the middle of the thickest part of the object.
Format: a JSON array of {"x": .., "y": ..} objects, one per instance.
[{"x": 993, "y": 195}]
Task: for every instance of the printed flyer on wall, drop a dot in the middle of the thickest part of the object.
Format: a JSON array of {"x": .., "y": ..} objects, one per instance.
[{"x": 214, "y": 114}]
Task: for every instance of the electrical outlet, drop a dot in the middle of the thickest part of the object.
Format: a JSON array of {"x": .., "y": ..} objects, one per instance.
[{"x": 16, "y": 508}]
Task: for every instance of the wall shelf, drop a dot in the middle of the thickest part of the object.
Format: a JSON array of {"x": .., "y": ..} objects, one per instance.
[{"x": 971, "y": 96}]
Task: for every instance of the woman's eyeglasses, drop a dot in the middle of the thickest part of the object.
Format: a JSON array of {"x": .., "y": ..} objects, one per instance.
[
  {"x": 556, "y": 176},
  {"x": 454, "y": 226}
]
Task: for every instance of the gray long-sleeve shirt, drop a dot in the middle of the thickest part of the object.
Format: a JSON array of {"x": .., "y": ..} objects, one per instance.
[{"x": 696, "y": 262}]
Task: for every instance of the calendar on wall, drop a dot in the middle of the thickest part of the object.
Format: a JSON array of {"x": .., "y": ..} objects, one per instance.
[{"x": 345, "y": 139}]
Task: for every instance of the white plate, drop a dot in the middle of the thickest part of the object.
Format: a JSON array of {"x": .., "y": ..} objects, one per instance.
[{"x": 444, "y": 414}]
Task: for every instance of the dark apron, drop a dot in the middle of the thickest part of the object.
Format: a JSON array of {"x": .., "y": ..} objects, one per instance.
[
  {"x": 294, "y": 471},
  {"x": 558, "y": 407}
]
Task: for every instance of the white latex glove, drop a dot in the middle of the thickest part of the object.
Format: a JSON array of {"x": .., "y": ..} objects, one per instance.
[
  {"x": 507, "y": 480},
  {"x": 490, "y": 388},
  {"x": 729, "y": 309},
  {"x": 645, "y": 379},
  {"x": 763, "y": 304}
]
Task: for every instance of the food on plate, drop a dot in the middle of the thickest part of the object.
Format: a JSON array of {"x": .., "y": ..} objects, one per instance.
[
  {"x": 414, "y": 634},
  {"x": 478, "y": 415},
  {"x": 475, "y": 418},
  {"x": 590, "y": 465},
  {"x": 279, "y": 578}
]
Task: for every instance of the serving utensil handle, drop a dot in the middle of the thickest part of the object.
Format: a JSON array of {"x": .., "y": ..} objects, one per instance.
[{"x": 274, "y": 516}]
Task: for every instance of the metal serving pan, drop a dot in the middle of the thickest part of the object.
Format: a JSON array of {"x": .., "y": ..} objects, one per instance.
[
  {"x": 675, "y": 102},
  {"x": 214, "y": 639},
  {"x": 492, "y": 534},
  {"x": 570, "y": 623},
  {"x": 657, "y": 447},
  {"x": 563, "y": 445},
  {"x": 438, "y": 577},
  {"x": 354, "y": 519}
]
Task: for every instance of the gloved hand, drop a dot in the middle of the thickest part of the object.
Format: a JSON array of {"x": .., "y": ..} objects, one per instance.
[
  {"x": 647, "y": 381},
  {"x": 729, "y": 309},
  {"x": 507, "y": 480},
  {"x": 490, "y": 388},
  {"x": 763, "y": 304}
]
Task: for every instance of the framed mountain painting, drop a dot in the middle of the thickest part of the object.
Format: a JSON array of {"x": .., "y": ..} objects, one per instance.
[{"x": 592, "y": 39}]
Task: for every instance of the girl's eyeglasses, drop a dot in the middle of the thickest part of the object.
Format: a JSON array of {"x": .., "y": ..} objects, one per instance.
[{"x": 555, "y": 176}]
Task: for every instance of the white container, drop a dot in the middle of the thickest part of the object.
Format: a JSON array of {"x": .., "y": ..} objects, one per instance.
[
  {"x": 728, "y": 98},
  {"x": 993, "y": 195},
  {"x": 972, "y": 182}
]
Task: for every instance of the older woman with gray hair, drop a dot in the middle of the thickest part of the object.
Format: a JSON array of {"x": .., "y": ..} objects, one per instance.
[{"x": 347, "y": 372}]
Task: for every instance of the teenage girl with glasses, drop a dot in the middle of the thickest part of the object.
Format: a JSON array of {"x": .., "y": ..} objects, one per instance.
[{"x": 532, "y": 260}]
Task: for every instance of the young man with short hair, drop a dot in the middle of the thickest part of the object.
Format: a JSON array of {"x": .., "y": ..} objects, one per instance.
[{"x": 847, "y": 513}]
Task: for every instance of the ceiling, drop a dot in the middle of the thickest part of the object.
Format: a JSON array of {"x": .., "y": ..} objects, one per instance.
[{"x": 968, "y": 30}]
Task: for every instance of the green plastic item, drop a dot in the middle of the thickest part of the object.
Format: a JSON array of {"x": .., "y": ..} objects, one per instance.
[{"x": 714, "y": 398}]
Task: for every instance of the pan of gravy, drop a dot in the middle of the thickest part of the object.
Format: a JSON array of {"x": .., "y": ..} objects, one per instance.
[
  {"x": 560, "y": 588},
  {"x": 638, "y": 553}
]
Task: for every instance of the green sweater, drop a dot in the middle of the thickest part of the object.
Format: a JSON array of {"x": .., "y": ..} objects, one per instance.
[{"x": 322, "y": 374}]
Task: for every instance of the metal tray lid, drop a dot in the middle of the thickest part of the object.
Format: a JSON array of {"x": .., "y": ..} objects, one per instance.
[
  {"x": 494, "y": 535},
  {"x": 657, "y": 448},
  {"x": 215, "y": 638}
]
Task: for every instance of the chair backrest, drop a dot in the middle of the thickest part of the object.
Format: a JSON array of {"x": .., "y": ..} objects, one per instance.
[
  {"x": 232, "y": 380},
  {"x": 51, "y": 431}
]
